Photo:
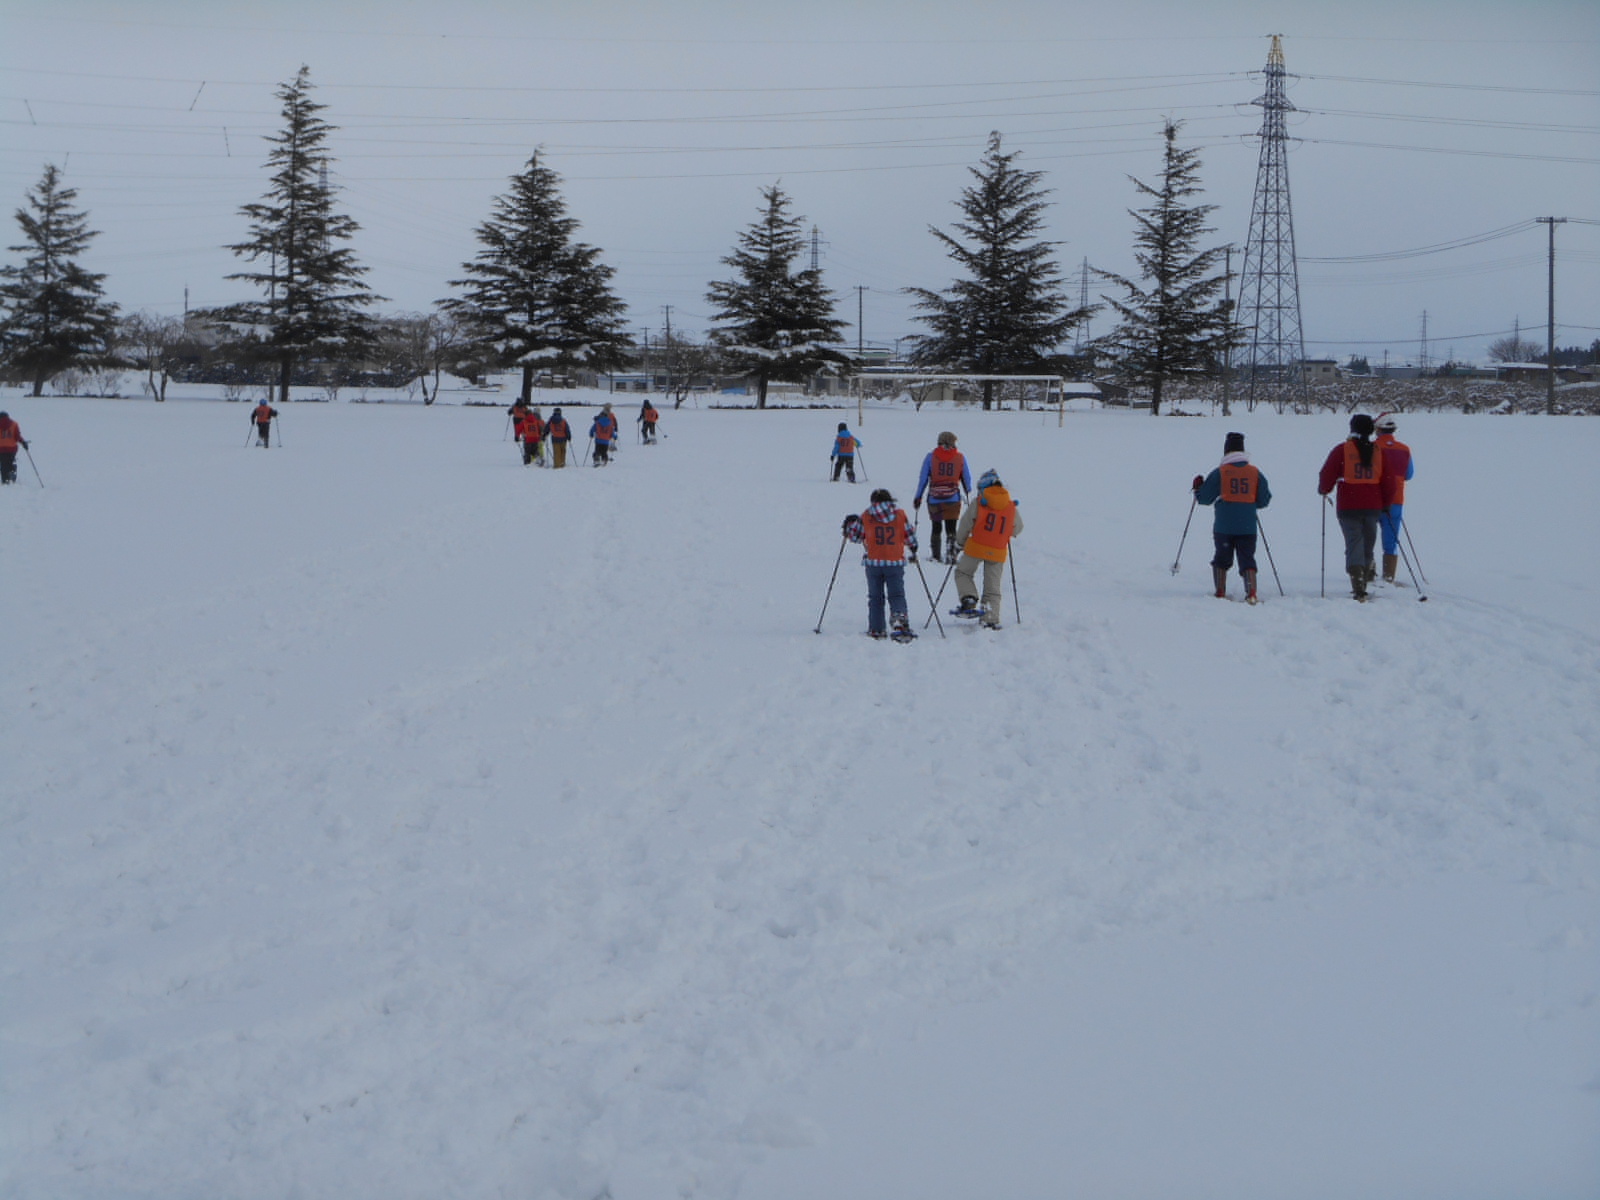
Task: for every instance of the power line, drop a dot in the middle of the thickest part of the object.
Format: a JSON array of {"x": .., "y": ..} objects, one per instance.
[{"x": 1436, "y": 248}]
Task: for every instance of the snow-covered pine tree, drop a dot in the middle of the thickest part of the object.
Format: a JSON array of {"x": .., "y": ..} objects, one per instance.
[
  {"x": 1011, "y": 312},
  {"x": 53, "y": 313},
  {"x": 773, "y": 322},
  {"x": 534, "y": 298},
  {"x": 316, "y": 302},
  {"x": 1177, "y": 320}
]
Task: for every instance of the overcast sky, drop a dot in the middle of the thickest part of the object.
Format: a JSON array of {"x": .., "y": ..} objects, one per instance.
[{"x": 1421, "y": 123}]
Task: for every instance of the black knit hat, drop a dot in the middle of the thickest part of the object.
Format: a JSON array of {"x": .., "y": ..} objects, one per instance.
[
  {"x": 1361, "y": 425},
  {"x": 1233, "y": 444}
]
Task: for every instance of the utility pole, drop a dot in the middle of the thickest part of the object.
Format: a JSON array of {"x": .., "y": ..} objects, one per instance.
[
  {"x": 1550, "y": 324},
  {"x": 861, "y": 291},
  {"x": 1083, "y": 302},
  {"x": 666, "y": 344},
  {"x": 1422, "y": 355}
]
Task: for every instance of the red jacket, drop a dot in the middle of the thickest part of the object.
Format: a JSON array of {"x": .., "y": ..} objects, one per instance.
[
  {"x": 10, "y": 435},
  {"x": 1356, "y": 494}
]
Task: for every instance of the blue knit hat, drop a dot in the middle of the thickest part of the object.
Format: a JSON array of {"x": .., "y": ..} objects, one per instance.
[{"x": 989, "y": 479}]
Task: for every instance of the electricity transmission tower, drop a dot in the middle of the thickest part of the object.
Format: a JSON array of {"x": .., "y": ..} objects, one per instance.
[{"x": 1269, "y": 296}]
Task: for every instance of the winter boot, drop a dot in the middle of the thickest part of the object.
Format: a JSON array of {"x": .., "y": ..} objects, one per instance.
[
  {"x": 1219, "y": 577},
  {"x": 1250, "y": 587},
  {"x": 1390, "y": 563},
  {"x": 901, "y": 628},
  {"x": 1371, "y": 572},
  {"x": 1358, "y": 582},
  {"x": 968, "y": 607}
]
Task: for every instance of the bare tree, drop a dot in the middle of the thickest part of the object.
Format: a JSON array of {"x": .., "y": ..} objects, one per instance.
[{"x": 148, "y": 340}]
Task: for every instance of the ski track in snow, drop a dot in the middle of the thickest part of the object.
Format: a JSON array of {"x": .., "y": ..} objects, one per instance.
[{"x": 385, "y": 819}]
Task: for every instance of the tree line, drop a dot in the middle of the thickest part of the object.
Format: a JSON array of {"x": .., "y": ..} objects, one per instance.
[{"x": 535, "y": 299}]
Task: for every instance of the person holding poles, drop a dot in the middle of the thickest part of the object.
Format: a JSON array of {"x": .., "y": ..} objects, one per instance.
[
  {"x": 603, "y": 430},
  {"x": 887, "y": 536},
  {"x": 1238, "y": 490},
  {"x": 527, "y": 429},
  {"x": 984, "y": 536},
  {"x": 10, "y": 438},
  {"x": 560, "y": 434},
  {"x": 1398, "y": 463},
  {"x": 845, "y": 445},
  {"x": 262, "y": 416},
  {"x": 1365, "y": 491},
  {"x": 947, "y": 480},
  {"x": 648, "y": 416}
]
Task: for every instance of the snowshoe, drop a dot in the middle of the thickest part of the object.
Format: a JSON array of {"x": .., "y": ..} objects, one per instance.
[
  {"x": 903, "y": 632},
  {"x": 969, "y": 609}
]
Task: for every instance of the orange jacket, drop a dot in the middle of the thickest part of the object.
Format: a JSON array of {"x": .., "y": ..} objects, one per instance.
[
  {"x": 992, "y": 525},
  {"x": 10, "y": 435}
]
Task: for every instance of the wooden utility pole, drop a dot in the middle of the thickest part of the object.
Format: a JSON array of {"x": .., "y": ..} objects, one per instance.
[{"x": 1550, "y": 324}]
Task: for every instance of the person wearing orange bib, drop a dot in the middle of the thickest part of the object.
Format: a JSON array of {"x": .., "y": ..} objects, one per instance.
[
  {"x": 559, "y": 434},
  {"x": 648, "y": 416},
  {"x": 946, "y": 479},
  {"x": 887, "y": 537},
  {"x": 845, "y": 445},
  {"x": 603, "y": 429},
  {"x": 984, "y": 536},
  {"x": 10, "y": 438},
  {"x": 1397, "y": 461},
  {"x": 1238, "y": 490},
  {"x": 1365, "y": 491},
  {"x": 262, "y": 416}
]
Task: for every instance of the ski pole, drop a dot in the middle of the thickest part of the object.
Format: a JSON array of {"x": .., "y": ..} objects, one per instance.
[
  {"x": 506, "y": 432},
  {"x": 933, "y": 609},
  {"x": 1406, "y": 529},
  {"x": 835, "y": 576},
  {"x": 1326, "y": 504},
  {"x": 586, "y": 450},
  {"x": 277, "y": 425},
  {"x": 950, "y": 570},
  {"x": 1176, "y": 558},
  {"x": 251, "y": 436},
  {"x": 860, "y": 458},
  {"x": 1421, "y": 595},
  {"x": 33, "y": 464},
  {"x": 1262, "y": 530},
  {"x": 1011, "y": 557}
]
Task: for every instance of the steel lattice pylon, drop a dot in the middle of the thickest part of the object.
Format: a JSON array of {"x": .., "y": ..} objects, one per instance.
[{"x": 1269, "y": 296}]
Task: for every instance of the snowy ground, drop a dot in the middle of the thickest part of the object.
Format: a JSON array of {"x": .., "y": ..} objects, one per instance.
[{"x": 383, "y": 819}]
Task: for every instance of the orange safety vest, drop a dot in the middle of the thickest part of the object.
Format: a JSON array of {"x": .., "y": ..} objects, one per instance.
[
  {"x": 559, "y": 430},
  {"x": 1387, "y": 442},
  {"x": 650, "y": 415},
  {"x": 10, "y": 435},
  {"x": 1354, "y": 472},
  {"x": 1240, "y": 483},
  {"x": 605, "y": 426},
  {"x": 991, "y": 531},
  {"x": 263, "y": 414},
  {"x": 944, "y": 474},
  {"x": 845, "y": 445},
  {"x": 532, "y": 428},
  {"x": 885, "y": 540}
]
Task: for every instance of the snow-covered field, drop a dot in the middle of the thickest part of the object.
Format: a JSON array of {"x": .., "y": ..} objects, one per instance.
[{"x": 384, "y": 819}]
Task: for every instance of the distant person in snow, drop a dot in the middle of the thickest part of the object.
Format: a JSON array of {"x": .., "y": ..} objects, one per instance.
[
  {"x": 984, "y": 536},
  {"x": 1365, "y": 490},
  {"x": 887, "y": 537},
  {"x": 1238, "y": 490},
  {"x": 648, "y": 416},
  {"x": 559, "y": 434},
  {"x": 10, "y": 438},
  {"x": 845, "y": 445},
  {"x": 528, "y": 429},
  {"x": 1399, "y": 465},
  {"x": 604, "y": 431},
  {"x": 947, "y": 480},
  {"x": 262, "y": 416}
]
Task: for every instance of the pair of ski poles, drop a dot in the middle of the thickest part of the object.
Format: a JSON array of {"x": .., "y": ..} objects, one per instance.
[
  {"x": 1016, "y": 598},
  {"x": 933, "y": 607},
  {"x": 1260, "y": 529},
  {"x": 859, "y": 457},
  {"x": 34, "y": 465},
  {"x": 1421, "y": 595}
]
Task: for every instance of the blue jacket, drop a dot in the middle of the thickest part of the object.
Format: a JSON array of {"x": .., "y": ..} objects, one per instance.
[{"x": 1232, "y": 519}]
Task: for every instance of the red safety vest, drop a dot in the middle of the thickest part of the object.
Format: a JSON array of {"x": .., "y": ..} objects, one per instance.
[
  {"x": 1240, "y": 483},
  {"x": 944, "y": 474},
  {"x": 991, "y": 532},
  {"x": 1396, "y": 458},
  {"x": 1354, "y": 472},
  {"x": 605, "y": 426},
  {"x": 885, "y": 540},
  {"x": 263, "y": 414}
]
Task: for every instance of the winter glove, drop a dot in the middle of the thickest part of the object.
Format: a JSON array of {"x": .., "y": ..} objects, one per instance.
[
  {"x": 851, "y": 524},
  {"x": 1198, "y": 481},
  {"x": 913, "y": 556}
]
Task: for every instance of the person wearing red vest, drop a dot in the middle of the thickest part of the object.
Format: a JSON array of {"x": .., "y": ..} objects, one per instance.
[
  {"x": 559, "y": 433},
  {"x": 530, "y": 432},
  {"x": 603, "y": 429},
  {"x": 262, "y": 416},
  {"x": 1398, "y": 463},
  {"x": 946, "y": 479},
  {"x": 1365, "y": 490},
  {"x": 10, "y": 438},
  {"x": 648, "y": 416},
  {"x": 887, "y": 537},
  {"x": 984, "y": 536},
  {"x": 1238, "y": 490}
]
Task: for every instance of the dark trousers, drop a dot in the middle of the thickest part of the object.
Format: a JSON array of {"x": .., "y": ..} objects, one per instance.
[
  {"x": 1360, "y": 529},
  {"x": 1229, "y": 543},
  {"x": 8, "y": 466},
  {"x": 884, "y": 578},
  {"x": 264, "y": 432},
  {"x": 845, "y": 463},
  {"x": 602, "y": 453}
]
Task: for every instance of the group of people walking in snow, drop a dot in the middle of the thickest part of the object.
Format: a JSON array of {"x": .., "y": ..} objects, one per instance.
[
  {"x": 532, "y": 432},
  {"x": 977, "y": 537},
  {"x": 1366, "y": 478}
]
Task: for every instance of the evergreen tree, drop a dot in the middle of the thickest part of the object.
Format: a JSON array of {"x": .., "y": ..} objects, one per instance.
[
  {"x": 773, "y": 322},
  {"x": 1010, "y": 313},
  {"x": 53, "y": 313},
  {"x": 315, "y": 310},
  {"x": 534, "y": 297},
  {"x": 1176, "y": 320}
]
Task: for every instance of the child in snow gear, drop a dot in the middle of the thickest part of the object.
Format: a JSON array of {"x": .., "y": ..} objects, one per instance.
[
  {"x": 1397, "y": 462},
  {"x": 10, "y": 438},
  {"x": 527, "y": 430},
  {"x": 262, "y": 416},
  {"x": 984, "y": 535},
  {"x": 845, "y": 445},
  {"x": 648, "y": 416},
  {"x": 603, "y": 430},
  {"x": 947, "y": 480},
  {"x": 559, "y": 433},
  {"x": 1238, "y": 490},
  {"x": 887, "y": 536},
  {"x": 1365, "y": 491}
]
